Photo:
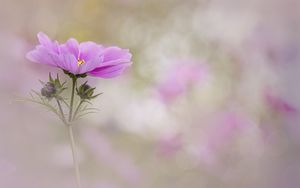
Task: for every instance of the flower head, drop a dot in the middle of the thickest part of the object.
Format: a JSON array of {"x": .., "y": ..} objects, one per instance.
[{"x": 85, "y": 58}]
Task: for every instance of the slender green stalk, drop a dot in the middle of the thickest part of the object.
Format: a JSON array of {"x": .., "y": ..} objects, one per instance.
[
  {"x": 74, "y": 153},
  {"x": 71, "y": 136},
  {"x": 72, "y": 98},
  {"x": 61, "y": 112},
  {"x": 77, "y": 109}
]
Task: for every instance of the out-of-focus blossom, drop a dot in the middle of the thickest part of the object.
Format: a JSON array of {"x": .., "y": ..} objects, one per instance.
[
  {"x": 278, "y": 104},
  {"x": 81, "y": 58},
  {"x": 101, "y": 148},
  {"x": 179, "y": 78},
  {"x": 169, "y": 145},
  {"x": 223, "y": 131}
]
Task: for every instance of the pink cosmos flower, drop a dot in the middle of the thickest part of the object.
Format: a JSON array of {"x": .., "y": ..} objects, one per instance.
[{"x": 81, "y": 58}]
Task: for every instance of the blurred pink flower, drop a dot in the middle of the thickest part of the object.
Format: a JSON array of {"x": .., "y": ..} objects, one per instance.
[
  {"x": 181, "y": 76},
  {"x": 278, "y": 104},
  {"x": 169, "y": 145},
  {"x": 224, "y": 129},
  {"x": 81, "y": 58},
  {"x": 104, "y": 152}
]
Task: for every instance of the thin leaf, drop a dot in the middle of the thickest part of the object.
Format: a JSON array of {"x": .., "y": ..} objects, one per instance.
[{"x": 43, "y": 83}]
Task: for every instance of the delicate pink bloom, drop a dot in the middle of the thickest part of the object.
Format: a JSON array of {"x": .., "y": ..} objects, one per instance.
[
  {"x": 169, "y": 145},
  {"x": 81, "y": 58},
  {"x": 180, "y": 78}
]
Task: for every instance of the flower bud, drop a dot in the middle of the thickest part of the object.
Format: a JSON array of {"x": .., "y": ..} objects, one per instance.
[
  {"x": 86, "y": 92},
  {"x": 48, "y": 90},
  {"x": 53, "y": 88}
]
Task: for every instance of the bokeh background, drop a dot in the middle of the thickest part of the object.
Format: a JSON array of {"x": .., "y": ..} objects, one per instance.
[{"x": 212, "y": 98}]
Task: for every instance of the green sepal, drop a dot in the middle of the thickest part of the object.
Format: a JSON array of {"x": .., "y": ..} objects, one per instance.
[{"x": 73, "y": 76}]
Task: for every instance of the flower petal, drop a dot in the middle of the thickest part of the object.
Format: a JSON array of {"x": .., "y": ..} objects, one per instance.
[
  {"x": 42, "y": 55},
  {"x": 71, "y": 46},
  {"x": 109, "y": 71},
  {"x": 90, "y": 50},
  {"x": 47, "y": 42},
  {"x": 68, "y": 62},
  {"x": 90, "y": 65},
  {"x": 115, "y": 61},
  {"x": 116, "y": 55}
]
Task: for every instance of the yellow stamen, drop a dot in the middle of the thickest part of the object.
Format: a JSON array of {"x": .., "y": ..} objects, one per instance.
[{"x": 80, "y": 62}]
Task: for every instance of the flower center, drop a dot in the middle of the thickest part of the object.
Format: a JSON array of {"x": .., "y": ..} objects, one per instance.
[{"x": 80, "y": 62}]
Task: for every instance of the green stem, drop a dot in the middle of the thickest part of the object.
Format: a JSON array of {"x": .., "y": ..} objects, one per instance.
[
  {"x": 77, "y": 109},
  {"x": 61, "y": 112},
  {"x": 74, "y": 154},
  {"x": 71, "y": 136},
  {"x": 72, "y": 98}
]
